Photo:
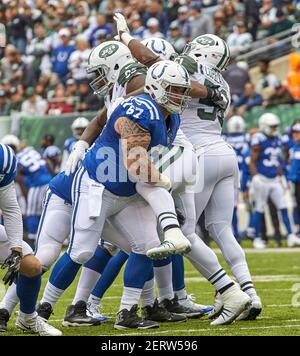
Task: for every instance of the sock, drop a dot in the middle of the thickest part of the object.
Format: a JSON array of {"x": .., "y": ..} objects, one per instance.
[
  {"x": 220, "y": 280},
  {"x": 137, "y": 271},
  {"x": 224, "y": 289},
  {"x": 109, "y": 274},
  {"x": 62, "y": 275},
  {"x": 28, "y": 290},
  {"x": 242, "y": 275},
  {"x": 90, "y": 274},
  {"x": 286, "y": 221},
  {"x": 163, "y": 277},
  {"x": 178, "y": 273},
  {"x": 296, "y": 217},
  {"x": 181, "y": 294},
  {"x": 162, "y": 204},
  {"x": 248, "y": 288},
  {"x": 10, "y": 299},
  {"x": 235, "y": 224},
  {"x": 257, "y": 223},
  {"x": 32, "y": 224},
  {"x": 148, "y": 295}
]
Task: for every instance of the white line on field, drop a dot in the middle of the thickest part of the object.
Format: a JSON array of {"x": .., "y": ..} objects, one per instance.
[
  {"x": 267, "y": 250},
  {"x": 174, "y": 331}
]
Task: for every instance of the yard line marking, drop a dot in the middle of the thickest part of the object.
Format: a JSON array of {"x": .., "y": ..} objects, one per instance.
[
  {"x": 174, "y": 331},
  {"x": 267, "y": 250}
]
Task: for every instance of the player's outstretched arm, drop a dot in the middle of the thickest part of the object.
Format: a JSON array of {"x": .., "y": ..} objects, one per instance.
[
  {"x": 143, "y": 54},
  {"x": 135, "y": 141}
]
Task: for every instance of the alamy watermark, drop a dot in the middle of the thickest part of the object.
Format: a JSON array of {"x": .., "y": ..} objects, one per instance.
[
  {"x": 296, "y": 35},
  {"x": 296, "y": 295}
]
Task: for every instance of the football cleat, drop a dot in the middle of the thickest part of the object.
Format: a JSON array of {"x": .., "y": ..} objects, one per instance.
[
  {"x": 218, "y": 306},
  {"x": 259, "y": 244},
  {"x": 4, "y": 317},
  {"x": 173, "y": 306},
  {"x": 189, "y": 302},
  {"x": 252, "y": 311},
  {"x": 160, "y": 314},
  {"x": 76, "y": 315},
  {"x": 235, "y": 301},
  {"x": 174, "y": 243},
  {"x": 36, "y": 325},
  {"x": 44, "y": 310},
  {"x": 293, "y": 240},
  {"x": 94, "y": 311},
  {"x": 129, "y": 319}
]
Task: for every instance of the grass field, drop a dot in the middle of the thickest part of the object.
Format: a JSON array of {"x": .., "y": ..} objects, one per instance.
[{"x": 276, "y": 274}]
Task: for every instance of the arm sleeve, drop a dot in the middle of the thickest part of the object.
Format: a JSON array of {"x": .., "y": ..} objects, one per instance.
[{"x": 12, "y": 215}]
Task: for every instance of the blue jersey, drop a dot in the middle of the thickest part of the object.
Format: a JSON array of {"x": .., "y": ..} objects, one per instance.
[
  {"x": 69, "y": 144},
  {"x": 287, "y": 141},
  {"x": 104, "y": 161},
  {"x": 34, "y": 168},
  {"x": 61, "y": 185},
  {"x": 8, "y": 165},
  {"x": 270, "y": 156},
  {"x": 240, "y": 145},
  {"x": 294, "y": 168},
  {"x": 51, "y": 151}
]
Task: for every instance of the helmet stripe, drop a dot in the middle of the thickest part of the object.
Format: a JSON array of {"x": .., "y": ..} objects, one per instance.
[{"x": 220, "y": 65}]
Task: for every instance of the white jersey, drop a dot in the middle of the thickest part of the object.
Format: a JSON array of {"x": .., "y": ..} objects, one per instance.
[{"x": 202, "y": 121}]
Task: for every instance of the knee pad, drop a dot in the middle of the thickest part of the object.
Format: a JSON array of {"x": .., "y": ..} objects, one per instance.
[
  {"x": 81, "y": 257},
  {"x": 47, "y": 254}
]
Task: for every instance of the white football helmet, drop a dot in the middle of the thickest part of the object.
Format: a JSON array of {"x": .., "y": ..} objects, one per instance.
[
  {"x": 160, "y": 79},
  {"x": 78, "y": 126},
  {"x": 12, "y": 141},
  {"x": 236, "y": 124},
  {"x": 160, "y": 47},
  {"x": 105, "y": 63},
  {"x": 209, "y": 49},
  {"x": 269, "y": 124}
]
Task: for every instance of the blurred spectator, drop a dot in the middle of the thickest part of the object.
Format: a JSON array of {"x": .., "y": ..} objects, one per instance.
[
  {"x": 282, "y": 24},
  {"x": 153, "y": 29},
  {"x": 16, "y": 26},
  {"x": 221, "y": 29},
  {"x": 34, "y": 104},
  {"x": 230, "y": 13},
  {"x": 61, "y": 55},
  {"x": 101, "y": 26},
  {"x": 252, "y": 17},
  {"x": 38, "y": 50},
  {"x": 59, "y": 104},
  {"x": 87, "y": 100},
  {"x": 267, "y": 79},
  {"x": 137, "y": 28},
  {"x": 175, "y": 37},
  {"x": 248, "y": 100},
  {"x": 240, "y": 40},
  {"x": 236, "y": 77},
  {"x": 267, "y": 14},
  {"x": 83, "y": 27},
  {"x": 184, "y": 23},
  {"x": 293, "y": 77},
  {"x": 12, "y": 67},
  {"x": 172, "y": 10},
  {"x": 200, "y": 22},
  {"x": 16, "y": 100},
  {"x": 78, "y": 60},
  {"x": 71, "y": 89},
  {"x": 281, "y": 96},
  {"x": 154, "y": 9},
  {"x": 4, "y": 106}
]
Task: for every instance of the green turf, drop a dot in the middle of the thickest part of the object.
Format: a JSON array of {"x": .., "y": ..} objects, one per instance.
[{"x": 275, "y": 274}]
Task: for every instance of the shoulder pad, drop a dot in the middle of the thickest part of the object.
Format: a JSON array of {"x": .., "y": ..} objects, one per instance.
[
  {"x": 188, "y": 63},
  {"x": 130, "y": 71}
]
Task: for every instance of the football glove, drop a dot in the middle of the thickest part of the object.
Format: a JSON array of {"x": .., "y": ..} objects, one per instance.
[
  {"x": 218, "y": 97},
  {"x": 12, "y": 263},
  {"x": 76, "y": 156}
]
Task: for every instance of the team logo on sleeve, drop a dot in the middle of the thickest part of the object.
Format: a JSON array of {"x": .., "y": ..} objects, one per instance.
[
  {"x": 108, "y": 50},
  {"x": 206, "y": 41}
]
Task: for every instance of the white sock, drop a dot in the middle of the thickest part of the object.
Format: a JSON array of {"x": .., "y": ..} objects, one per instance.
[
  {"x": 130, "y": 297},
  {"x": 163, "y": 278},
  {"x": 94, "y": 300},
  {"x": 27, "y": 316},
  {"x": 242, "y": 274},
  {"x": 181, "y": 294},
  {"x": 51, "y": 294},
  {"x": 148, "y": 295},
  {"x": 10, "y": 299},
  {"x": 87, "y": 281},
  {"x": 161, "y": 202}
]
